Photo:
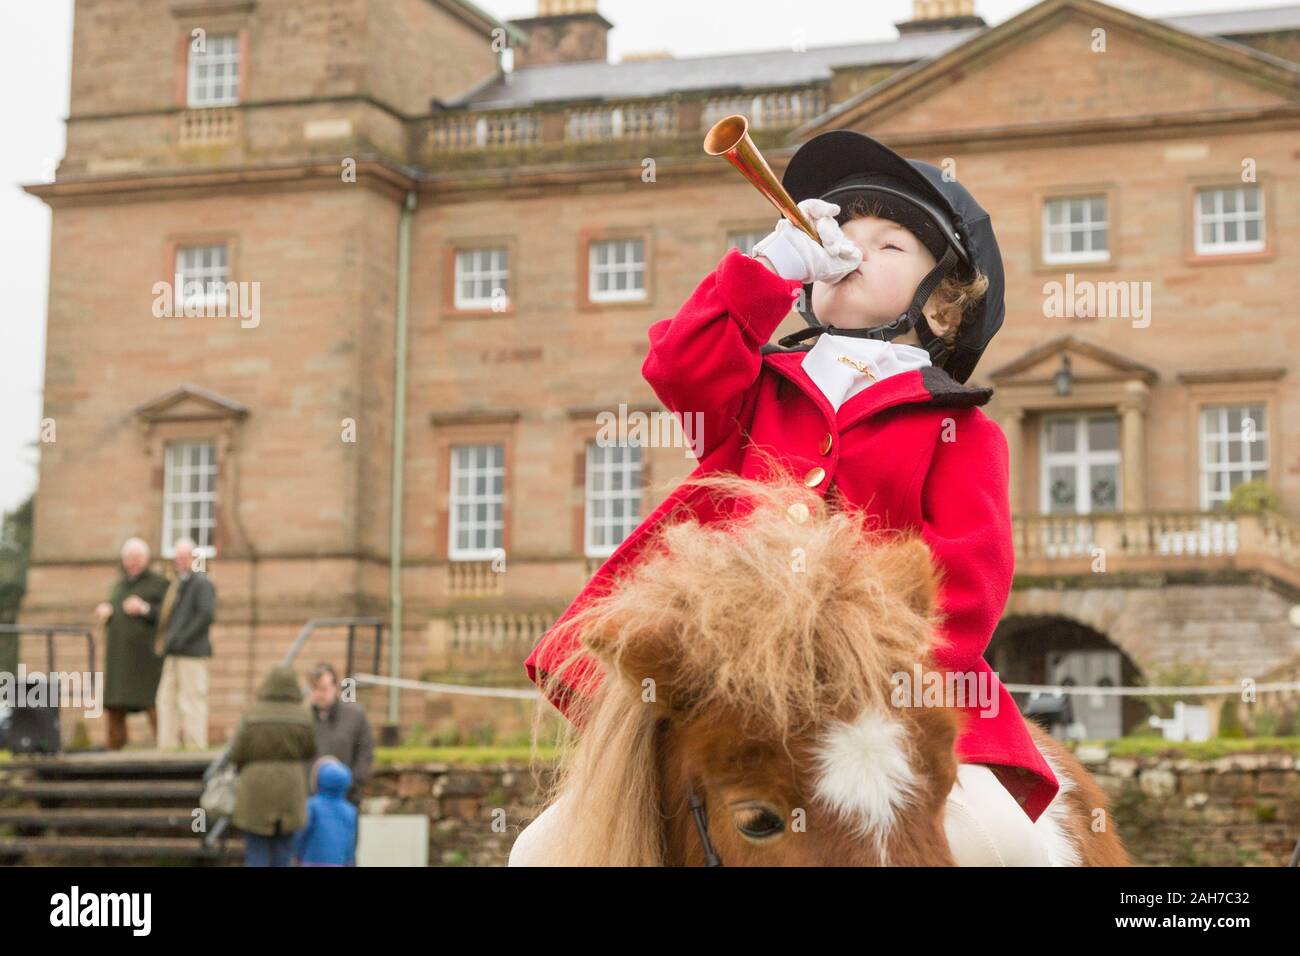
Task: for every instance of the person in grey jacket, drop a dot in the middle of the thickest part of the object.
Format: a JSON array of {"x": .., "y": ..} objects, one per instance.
[
  {"x": 188, "y": 612},
  {"x": 342, "y": 729}
]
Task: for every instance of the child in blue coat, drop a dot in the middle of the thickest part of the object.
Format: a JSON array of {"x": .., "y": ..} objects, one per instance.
[{"x": 330, "y": 836}]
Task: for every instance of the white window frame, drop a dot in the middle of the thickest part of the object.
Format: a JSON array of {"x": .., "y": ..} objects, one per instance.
[
  {"x": 480, "y": 264},
  {"x": 464, "y": 465},
  {"x": 202, "y": 89},
  {"x": 1081, "y": 459},
  {"x": 605, "y": 461},
  {"x": 1221, "y": 436},
  {"x": 1218, "y": 218},
  {"x": 177, "y": 465},
  {"x": 633, "y": 267},
  {"x": 213, "y": 274},
  {"x": 1068, "y": 227}
]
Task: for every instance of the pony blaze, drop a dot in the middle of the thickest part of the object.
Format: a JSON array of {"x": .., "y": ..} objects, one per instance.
[{"x": 750, "y": 718}]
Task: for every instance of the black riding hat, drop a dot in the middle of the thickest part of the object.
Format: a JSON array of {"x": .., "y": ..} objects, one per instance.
[{"x": 837, "y": 166}]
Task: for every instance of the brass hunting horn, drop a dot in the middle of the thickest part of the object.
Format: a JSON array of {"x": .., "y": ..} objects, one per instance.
[{"x": 729, "y": 137}]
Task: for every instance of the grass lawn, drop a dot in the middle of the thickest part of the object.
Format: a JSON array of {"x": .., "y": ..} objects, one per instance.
[
  {"x": 1208, "y": 750},
  {"x": 522, "y": 753},
  {"x": 470, "y": 756},
  {"x": 1124, "y": 747},
  {"x": 465, "y": 756}
]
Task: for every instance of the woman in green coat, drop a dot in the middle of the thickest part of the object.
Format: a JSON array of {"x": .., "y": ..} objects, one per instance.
[
  {"x": 130, "y": 616},
  {"x": 271, "y": 746}
]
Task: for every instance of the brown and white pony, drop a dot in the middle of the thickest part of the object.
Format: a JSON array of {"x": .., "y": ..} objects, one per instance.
[{"x": 750, "y": 661}]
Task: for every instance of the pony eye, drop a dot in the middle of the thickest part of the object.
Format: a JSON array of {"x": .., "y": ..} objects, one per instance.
[{"x": 758, "y": 823}]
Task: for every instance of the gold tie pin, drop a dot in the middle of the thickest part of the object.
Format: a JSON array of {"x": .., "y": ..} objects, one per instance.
[{"x": 860, "y": 366}]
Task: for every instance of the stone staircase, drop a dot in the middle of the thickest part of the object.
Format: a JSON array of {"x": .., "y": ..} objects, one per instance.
[{"x": 131, "y": 807}]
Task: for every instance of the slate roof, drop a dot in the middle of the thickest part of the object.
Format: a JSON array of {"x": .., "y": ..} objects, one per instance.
[
  {"x": 763, "y": 68},
  {"x": 559, "y": 82}
]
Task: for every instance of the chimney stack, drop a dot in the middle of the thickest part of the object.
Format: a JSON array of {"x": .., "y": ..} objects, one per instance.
[
  {"x": 930, "y": 16},
  {"x": 564, "y": 31}
]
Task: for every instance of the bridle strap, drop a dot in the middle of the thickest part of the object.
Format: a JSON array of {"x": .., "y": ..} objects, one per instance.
[{"x": 701, "y": 817}]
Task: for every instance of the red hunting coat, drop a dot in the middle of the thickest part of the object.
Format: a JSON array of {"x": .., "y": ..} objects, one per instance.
[{"x": 884, "y": 450}]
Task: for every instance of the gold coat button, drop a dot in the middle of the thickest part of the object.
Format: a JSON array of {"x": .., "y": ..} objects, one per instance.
[
  {"x": 814, "y": 476},
  {"x": 827, "y": 441}
]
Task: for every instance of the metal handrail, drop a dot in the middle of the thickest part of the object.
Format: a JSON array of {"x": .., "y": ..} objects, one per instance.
[
  {"x": 51, "y": 631},
  {"x": 308, "y": 629}
]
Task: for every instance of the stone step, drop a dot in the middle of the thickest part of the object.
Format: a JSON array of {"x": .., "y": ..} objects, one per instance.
[
  {"x": 123, "y": 763},
  {"x": 100, "y": 790},
  {"x": 64, "y": 818},
  {"x": 87, "y": 849}
]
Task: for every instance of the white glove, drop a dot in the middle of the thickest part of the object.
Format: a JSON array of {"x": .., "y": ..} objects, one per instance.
[{"x": 796, "y": 256}]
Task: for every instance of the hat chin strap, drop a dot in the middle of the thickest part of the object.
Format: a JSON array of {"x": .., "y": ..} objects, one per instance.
[{"x": 913, "y": 318}]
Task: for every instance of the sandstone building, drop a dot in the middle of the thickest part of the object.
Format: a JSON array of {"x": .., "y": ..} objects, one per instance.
[{"x": 411, "y": 242}]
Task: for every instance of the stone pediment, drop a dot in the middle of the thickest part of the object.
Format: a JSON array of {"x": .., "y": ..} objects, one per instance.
[
  {"x": 1088, "y": 363},
  {"x": 190, "y": 403}
]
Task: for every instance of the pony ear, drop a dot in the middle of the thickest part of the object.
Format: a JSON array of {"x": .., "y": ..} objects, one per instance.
[
  {"x": 641, "y": 657},
  {"x": 913, "y": 575}
]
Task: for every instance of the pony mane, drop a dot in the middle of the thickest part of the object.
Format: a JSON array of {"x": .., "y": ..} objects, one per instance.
[{"x": 786, "y": 614}]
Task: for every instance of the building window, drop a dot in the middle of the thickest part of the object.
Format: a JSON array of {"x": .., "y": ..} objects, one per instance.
[
  {"x": 745, "y": 240},
  {"x": 1080, "y": 464},
  {"x": 1234, "y": 449},
  {"x": 204, "y": 272},
  {"x": 482, "y": 277},
  {"x": 477, "y": 497},
  {"x": 1075, "y": 230},
  {"x": 1229, "y": 220},
  {"x": 613, "y": 496},
  {"x": 616, "y": 270},
  {"x": 214, "y": 72},
  {"x": 189, "y": 494}
]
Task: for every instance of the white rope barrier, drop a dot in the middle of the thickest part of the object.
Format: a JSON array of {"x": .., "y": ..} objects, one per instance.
[
  {"x": 1202, "y": 691},
  {"x": 466, "y": 689},
  {"x": 1051, "y": 689}
]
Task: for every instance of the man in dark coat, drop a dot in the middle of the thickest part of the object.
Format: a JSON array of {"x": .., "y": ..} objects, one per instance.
[
  {"x": 342, "y": 729},
  {"x": 130, "y": 618}
]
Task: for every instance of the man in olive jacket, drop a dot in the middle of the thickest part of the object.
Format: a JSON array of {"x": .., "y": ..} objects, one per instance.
[
  {"x": 130, "y": 619},
  {"x": 274, "y": 738}
]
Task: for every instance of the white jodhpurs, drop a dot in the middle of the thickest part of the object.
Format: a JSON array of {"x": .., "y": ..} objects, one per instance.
[
  {"x": 531, "y": 847},
  {"x": 984, "y": 824}
]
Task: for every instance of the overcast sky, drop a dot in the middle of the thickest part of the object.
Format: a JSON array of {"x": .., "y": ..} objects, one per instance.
[{"x": 35, "y": 49}]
